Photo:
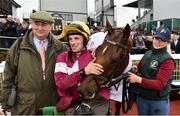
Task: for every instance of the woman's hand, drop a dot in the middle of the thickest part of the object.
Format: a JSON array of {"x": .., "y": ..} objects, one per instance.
[
  {"x": 133, "y": 78},
  {"x": 134, "y": 69}
]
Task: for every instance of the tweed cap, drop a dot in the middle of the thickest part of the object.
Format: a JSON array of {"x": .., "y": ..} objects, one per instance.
[{"x": 42, "y": 16}]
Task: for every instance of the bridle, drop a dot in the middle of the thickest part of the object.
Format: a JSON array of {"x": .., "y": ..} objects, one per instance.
[
  {"x": 107, "y": 83},
  {"x": 126, "y": 103},
  {"x": 115, "y": 43}
]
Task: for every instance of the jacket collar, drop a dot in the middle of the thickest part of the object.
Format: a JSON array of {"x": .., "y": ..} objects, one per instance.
[
  {"x": 159, "y": 51},
  {"x": 28, "y": 40}
]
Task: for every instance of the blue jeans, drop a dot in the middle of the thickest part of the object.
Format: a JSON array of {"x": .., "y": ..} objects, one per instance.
[{"x": 152, "y": 107}]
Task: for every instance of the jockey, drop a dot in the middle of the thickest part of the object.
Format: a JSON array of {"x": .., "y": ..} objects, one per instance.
[{"x": 73, "y": 65}]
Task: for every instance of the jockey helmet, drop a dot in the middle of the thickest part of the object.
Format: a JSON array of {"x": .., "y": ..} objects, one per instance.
[{"x": 77, "y": 27}]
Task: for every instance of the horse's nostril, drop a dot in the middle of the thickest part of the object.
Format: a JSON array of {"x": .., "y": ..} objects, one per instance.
[
  {"x": 89, "y": 94},
  {"x": 80, "y": 94}
]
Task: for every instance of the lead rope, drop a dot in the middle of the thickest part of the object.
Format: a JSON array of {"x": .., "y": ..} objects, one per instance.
[{"x": 126, "y": 95}]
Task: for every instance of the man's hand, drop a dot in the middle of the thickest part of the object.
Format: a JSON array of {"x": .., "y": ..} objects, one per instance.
[{"x": 93, "y": 68}]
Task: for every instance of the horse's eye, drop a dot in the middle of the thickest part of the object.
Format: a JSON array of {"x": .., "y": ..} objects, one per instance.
[{"x": 114, "y": 61}]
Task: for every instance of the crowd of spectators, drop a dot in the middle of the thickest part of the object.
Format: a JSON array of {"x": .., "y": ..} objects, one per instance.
[
  {"x": 142, "y": 40},
  {"x": 10, "y": 29}
]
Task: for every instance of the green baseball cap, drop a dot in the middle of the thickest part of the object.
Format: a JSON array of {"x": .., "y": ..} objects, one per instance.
[{"x": 42, "y": 16}]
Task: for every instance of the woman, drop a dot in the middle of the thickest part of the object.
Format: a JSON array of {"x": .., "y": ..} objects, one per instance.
[
  {"x": 153, "y": 83},
  {"x": 73, "y": 65}
]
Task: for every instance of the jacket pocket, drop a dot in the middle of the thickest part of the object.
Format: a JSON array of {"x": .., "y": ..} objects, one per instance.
[
  {"x": 25, "y": 104},
  {"x": 25, "y": 98}
]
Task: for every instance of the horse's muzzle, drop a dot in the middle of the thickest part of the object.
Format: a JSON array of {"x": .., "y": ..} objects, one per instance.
[{"x": 85, "y": 93}]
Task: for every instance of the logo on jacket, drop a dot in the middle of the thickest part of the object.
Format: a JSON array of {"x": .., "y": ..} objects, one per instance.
[{"x": 154, "y": 64}]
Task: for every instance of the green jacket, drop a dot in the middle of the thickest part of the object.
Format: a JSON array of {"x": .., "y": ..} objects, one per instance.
[
  {"x": 33, "y": 91},
  {"x": 150, "y": 64}
]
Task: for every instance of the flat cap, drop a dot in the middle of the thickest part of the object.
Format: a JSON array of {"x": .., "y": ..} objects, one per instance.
[{"x": 42, "y": 16}]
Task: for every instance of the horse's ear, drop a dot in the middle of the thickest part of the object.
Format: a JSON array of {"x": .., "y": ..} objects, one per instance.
[
  {"x": 108, "y": 27},
  {"x": 126, "y": 31}
]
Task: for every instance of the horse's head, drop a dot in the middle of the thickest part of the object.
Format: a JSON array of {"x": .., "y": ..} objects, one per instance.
[{"x": 113, "y": 55}]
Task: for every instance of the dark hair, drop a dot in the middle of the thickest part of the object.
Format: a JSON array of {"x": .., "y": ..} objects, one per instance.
[
  {"x": 161, "y": 23},
  {"x": 176, "y": 32}
]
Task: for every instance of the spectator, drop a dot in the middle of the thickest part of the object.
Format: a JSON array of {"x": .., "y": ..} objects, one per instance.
[
  {"x": 9, "y": 30},
  {"x": 175, "y": 45},
  {"x": 24, "y": 28},
  {"x": 18, "y": 27},
  {"x": 140, "y": 44},
  {"x": 2, "y": 26},
  {"x": 148, "y": 41}
]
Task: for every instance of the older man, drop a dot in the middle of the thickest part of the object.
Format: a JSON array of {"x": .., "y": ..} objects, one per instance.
[{"x": 32, "y": 70}]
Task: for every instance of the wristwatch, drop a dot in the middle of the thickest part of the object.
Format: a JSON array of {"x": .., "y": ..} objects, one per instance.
[{"x": 82, "y": 72}]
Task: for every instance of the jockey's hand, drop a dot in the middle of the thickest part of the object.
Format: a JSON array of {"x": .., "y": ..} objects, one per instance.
[
  {"x": 93, "y": 68},
  {"x": 133, "y": 78}
]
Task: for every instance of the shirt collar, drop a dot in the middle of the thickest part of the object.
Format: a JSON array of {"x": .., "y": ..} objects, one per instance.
[{"x": 37, "y": 41}]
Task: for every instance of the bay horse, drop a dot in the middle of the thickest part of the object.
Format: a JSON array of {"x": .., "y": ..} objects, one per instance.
[{"x": 113, "y": 55}]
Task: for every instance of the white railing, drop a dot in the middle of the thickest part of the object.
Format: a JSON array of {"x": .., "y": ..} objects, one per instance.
[{"x": 136, "y": 58}]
